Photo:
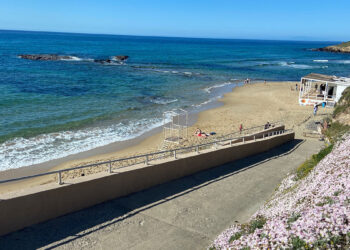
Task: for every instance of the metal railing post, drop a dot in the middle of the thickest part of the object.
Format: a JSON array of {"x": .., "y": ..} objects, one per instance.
[
  {"x": 254, "y": 138},
  {"x": 175, "y": 154},
  {"x": 231, "y": 143},
  {"x": 263, "y": 136},
  {"x": 110, "y": 167},
  {"x": 59, "y": 178},
  {"x": 146, "y": 161},
  {"x": 197, "y": 150},
  {"x": 243, "y": 140}
]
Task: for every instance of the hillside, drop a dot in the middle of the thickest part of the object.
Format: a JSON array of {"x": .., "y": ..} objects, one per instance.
[
  {"x": 340, "y": 48},
  {"x": 311, "y": 207}
]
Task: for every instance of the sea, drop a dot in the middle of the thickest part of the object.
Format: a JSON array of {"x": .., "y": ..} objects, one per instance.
[{"x": 51, "y": 109}]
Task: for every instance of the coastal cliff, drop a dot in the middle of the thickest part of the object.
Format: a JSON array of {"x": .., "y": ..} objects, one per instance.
[{"x": 340, "y": 48}]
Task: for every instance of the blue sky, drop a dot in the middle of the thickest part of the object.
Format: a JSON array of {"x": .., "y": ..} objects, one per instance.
[{"x": 259, "y": 19}]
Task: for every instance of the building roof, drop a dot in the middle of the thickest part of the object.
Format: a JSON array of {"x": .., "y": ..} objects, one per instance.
[{"x": 329, "y": 79}]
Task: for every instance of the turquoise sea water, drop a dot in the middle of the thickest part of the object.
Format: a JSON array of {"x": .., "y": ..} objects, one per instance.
[{"x": 50, "y": 109}]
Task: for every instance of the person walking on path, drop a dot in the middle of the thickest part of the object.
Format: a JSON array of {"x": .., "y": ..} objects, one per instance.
[
  {"x": 315, "y": 109},
  {"x": 240, "y": 128}
]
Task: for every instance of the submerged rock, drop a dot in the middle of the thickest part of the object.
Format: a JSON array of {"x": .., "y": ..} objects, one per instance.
[
  {"x": 45, "y": 57},
  {"x": 103, "y": 61}
]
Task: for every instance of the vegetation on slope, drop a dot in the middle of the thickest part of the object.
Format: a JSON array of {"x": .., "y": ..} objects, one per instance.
[{"x": 311, "y": 207}]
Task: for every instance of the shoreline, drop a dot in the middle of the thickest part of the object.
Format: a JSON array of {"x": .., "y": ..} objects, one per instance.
[
  {"x": 116, "y": 146},
  {"x": 241, "y": 105}
]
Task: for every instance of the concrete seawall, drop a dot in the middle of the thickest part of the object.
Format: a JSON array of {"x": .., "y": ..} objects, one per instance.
[{"x": 48, "y": 202}]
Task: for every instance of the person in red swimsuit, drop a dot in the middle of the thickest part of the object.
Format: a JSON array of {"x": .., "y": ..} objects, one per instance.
[{"x": 200, "y": 133}]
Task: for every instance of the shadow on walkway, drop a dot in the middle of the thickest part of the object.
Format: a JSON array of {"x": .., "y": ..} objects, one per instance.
[{"x": 70, "y": 227}]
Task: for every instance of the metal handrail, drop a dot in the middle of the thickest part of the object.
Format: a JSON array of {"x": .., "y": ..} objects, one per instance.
[
  {"x": 173, "y": 152},
  {"x": 261, "y": 127}
]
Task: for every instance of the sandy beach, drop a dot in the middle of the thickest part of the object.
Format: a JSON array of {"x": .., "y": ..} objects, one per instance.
[{"x": 249, "y": 105}]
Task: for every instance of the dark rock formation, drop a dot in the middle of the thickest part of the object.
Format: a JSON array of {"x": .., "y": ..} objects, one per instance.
[
  {"x": 114, "y": 59},
  {"x": 45, "y": 57},
  {"x": 121, "y": 58},
  {"x": 103, "y": 61},
  {"x": 340, "y": 48}
]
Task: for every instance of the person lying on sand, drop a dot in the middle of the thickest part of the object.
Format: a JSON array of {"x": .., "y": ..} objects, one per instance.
[{"x": 200, "y": 133}]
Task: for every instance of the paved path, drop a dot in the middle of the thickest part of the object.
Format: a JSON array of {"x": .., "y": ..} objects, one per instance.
[{"x": 184, "y": 214}]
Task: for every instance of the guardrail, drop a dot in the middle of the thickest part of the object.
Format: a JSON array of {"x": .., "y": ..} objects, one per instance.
[{"x": 167, "y": 154}]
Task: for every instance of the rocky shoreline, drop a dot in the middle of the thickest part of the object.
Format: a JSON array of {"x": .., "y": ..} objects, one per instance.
[
  {"x": 55, "y": 57},
  {"x": 340, "y": 48}
]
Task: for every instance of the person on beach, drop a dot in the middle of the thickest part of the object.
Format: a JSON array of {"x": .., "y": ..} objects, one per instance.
[
  {"x": 316, "y": 86},
  {"x": 267, "y": 125},
  {"x": 296, "y": 87},
  {"x": 200, "y": 133},
  {"x": 240, "y": 128},
  {"x": 315, "y": 109}
]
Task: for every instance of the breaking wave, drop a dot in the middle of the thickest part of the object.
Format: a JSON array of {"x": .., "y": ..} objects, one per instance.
[{"x": 20, "y": 152}]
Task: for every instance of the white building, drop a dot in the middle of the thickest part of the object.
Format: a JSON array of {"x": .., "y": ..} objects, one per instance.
[{"x": 321, "y": 89}]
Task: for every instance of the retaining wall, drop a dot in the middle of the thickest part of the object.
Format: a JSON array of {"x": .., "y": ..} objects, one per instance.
[{"x": 32, "y": 208}]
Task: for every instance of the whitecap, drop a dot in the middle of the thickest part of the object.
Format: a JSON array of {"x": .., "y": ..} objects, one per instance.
[
  {"x": 163, "y": 101},
  {"x": 321, "y": 60},
  {"x": 342, "y": 61},
  {"x": 209, "y": 89},
  {"x": 72, "y": 58}
]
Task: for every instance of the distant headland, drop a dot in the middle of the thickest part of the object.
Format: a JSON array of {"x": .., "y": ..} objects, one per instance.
[{"x": 340, "y": 48}]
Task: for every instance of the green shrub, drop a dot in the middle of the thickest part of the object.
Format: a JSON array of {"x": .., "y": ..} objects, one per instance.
[
  {"x": 298, "y": 243},
  {"x": 343, "y": 103},
  {"x": 304, "y": 169},
  {"x": 336, "y": 131},
  {"x": 236, "y": 236},
  {"x": 293, "y": 218},
  {"x": 258, "y": 222},
  {"x": 327, "y": 200}
]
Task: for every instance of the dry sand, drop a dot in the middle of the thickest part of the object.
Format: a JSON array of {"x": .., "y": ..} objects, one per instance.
[{"x": 250, "y": 105}]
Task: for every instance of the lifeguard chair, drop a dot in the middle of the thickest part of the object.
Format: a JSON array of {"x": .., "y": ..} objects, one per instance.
[{"x": 175, "y": 126}]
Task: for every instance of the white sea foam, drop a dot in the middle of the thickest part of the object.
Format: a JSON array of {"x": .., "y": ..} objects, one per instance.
[
  {"x": 21, "y": 152},
  {"x": 213, "y": 99},
  {"x": 163, "y": 101},
  {"x": 321, "y": 60},
  {"x": 342, "y": 61},
  {"x": 72, "y": 58},
  {"x": 220, "y": 85},
  {"x": 299, "y": 66}
]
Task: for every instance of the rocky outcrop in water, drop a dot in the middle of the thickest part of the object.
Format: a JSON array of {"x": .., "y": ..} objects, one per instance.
[
  {"x": 340, "y": 48},
  {"x": 54, "y": 57},
  {"x": 114, "y": 59},
  {"x": 121, "y": 58},
  {"x": 45, "y": 57}
]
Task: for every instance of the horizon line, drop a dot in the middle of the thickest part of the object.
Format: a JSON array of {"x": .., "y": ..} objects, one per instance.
[{"x": 159, "y": 36}]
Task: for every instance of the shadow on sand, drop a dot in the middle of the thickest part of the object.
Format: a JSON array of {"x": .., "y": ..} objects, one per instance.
[{"x": 62, "y": 230}]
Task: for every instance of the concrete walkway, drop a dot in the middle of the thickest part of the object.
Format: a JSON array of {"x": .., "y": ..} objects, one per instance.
[{"x": 184, "y": 214}]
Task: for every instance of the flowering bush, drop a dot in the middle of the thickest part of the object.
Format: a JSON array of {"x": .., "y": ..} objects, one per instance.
[{"x": 312, "y": 212}]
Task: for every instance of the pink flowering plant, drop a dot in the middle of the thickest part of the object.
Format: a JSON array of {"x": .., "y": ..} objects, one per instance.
[{"x": 306, "y": 212}]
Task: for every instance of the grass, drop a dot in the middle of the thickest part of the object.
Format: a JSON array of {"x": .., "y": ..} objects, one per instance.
[
  {"x": 346, "y": 44},
  {"x": 336, "y": 130},
  {"x": 343, "y": 105},
  {"x": 304, "y": 169}
]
